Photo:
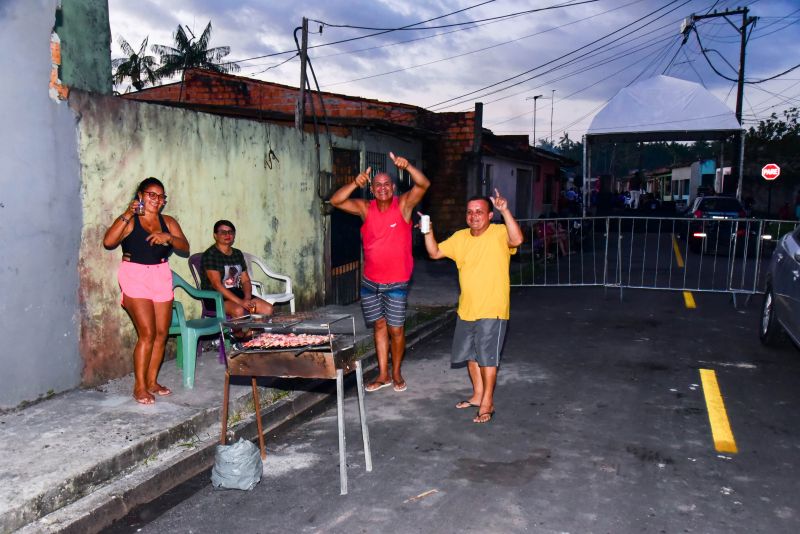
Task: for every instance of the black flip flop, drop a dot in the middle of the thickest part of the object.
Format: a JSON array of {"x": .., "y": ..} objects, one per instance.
[
  {"x": 468, "y": 405},
  {"x": 490, "y": 414}
]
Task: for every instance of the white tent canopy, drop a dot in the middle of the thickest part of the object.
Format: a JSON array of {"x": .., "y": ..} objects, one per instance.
[{"x": 663, "y": 108}]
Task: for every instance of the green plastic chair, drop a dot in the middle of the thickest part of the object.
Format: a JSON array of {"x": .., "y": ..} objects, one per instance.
[{"x": 190, "y": 330}]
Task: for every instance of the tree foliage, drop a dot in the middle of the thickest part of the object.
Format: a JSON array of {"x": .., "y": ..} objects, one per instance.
[
  {"x": 188, "y": 53},
  {"x": 138, "y": 67},
  {"x": 621, "y": 159},
  {"x": 775, "y": 140}
]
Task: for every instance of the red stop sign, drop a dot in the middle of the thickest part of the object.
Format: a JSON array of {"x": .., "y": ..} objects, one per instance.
[{"x": 770, "y": 171}]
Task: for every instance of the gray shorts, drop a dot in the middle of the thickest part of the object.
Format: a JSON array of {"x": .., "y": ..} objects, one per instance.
[{"x": 480, "y": 340}]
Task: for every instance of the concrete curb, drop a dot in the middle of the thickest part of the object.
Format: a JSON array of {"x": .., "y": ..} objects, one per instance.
[{"x": 139, "y": 484}]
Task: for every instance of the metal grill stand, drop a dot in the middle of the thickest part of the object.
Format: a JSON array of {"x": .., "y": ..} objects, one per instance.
[{"x": 331, "y": 361}]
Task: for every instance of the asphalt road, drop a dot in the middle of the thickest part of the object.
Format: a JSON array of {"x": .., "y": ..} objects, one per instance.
[{"x": 601, "y": 427}]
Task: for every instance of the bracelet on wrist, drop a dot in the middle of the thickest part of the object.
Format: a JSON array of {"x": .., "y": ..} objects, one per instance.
[{"x": 122, "y": 218}]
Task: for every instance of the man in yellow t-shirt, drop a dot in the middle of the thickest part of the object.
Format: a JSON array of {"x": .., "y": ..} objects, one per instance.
[{"x": 482, "y": 253}]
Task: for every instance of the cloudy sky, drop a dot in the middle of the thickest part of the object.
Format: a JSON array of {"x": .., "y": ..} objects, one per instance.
[{"x": 500, "y": 52}]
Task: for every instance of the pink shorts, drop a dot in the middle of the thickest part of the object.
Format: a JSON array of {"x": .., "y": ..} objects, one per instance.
[{"x": 152, "y": 282}]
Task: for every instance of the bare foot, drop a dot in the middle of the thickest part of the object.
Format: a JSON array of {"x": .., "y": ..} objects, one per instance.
[
  {"x": 484, "y": 416},
  {"x": 158, "y": 389},
  {"x": 144, "y": 398}
]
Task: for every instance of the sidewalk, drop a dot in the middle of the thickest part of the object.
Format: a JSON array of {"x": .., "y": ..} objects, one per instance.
[{"x": 82, "y": 459}]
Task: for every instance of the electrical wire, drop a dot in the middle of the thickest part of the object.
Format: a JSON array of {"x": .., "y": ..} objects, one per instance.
[
  {"x": 480, "y": 49},
  {"x": 499, "y": 17},
  {"x": 621, "y": 55},
  {"x": 622, "y": 28},
  {"x": 751, "y": 82},
  {"x": 276, "y": 65},
  {"x": 356, "y": 38}
]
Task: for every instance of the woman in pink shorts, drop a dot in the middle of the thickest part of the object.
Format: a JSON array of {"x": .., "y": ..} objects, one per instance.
[{"x": 147, "y": 237}]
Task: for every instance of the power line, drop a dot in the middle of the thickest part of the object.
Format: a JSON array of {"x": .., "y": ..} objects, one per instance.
[
  {"x": 605, "y": 61},
  {"x": 361, "y": 37},
  {"x": 411, "y": 28},
  {"x": 276, "y": 65},
  {"x": 622, "y": 28},
  {"x": 710, "y": 64},
  {"x": 481, "y": 49},
  {"x": 622, "y": 55}
]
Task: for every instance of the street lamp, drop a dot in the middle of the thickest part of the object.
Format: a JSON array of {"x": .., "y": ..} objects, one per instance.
[{"x": 534, "y": 98}]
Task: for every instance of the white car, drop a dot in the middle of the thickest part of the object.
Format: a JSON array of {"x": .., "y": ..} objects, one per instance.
[{"x": 781, "y": 310}]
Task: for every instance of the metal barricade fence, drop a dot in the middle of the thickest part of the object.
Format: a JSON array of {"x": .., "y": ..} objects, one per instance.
[{"x": 669, "y": 253}]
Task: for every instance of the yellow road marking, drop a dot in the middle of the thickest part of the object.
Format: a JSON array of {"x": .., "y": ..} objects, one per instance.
[
  {"x": 688, "y": 298},
  {"x": 717, "y": 416},
  {"x": 676, "y": 248}
]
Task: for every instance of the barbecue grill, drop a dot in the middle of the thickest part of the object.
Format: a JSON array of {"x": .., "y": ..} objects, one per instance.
[{"x": 330, "y": 360}]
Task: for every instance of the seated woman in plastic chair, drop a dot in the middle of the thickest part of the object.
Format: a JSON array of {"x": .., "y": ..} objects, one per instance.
[
  {"x": 225, "y": 270},
  {"x": 549, "y": 232}
]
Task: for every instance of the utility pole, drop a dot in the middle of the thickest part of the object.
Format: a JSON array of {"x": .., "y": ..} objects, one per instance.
[
  {"x": 552, "y": 103},
  {"x": 534, "y": 98},
  {"x": 300, "y": 109},
  {"x": 742, "y": 30},
  {"x": 688, "y": 25}
]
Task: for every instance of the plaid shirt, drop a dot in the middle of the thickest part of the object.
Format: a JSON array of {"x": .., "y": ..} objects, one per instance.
[{"x": 230, "y": 268}]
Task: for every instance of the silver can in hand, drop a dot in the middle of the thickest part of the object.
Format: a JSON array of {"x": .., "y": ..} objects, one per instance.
[
  {"x": 424, "y": 223},
  {"x": 140, "y": 208}
]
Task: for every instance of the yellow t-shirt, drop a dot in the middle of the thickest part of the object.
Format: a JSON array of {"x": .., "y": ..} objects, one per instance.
[{"x": 482, "y": 263}]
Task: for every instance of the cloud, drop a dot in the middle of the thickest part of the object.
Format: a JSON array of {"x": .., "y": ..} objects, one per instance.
[{"x": 455, "y": 61}]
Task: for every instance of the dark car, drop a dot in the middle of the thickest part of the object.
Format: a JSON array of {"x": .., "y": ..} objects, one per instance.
[
  {"x": 781, "y": 309},
  {"x": 718, "y": 224}
]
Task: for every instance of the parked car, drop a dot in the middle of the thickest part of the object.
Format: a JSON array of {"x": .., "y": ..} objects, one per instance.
[
  {"x": 781, "y": 309},
  {"x": 717, "y": 223}
]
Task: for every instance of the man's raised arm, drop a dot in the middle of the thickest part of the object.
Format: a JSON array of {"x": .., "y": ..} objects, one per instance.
[
  {"x": 355, "y": 206},
  {"x": 515, "y": 237},
  {"x": 412, "y": 197},
  {"x": 431, "y": 245}
]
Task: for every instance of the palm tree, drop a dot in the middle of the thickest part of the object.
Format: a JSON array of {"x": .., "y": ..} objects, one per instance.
[
  {"x": 187, "y": 54},
  {"x": 139, "y": 67}
]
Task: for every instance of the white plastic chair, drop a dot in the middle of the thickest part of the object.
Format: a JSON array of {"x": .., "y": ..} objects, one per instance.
[{"x": 258, "y": 287}]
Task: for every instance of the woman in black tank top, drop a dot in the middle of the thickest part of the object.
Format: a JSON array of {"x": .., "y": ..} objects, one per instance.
[{"x": 147, "y": 238}]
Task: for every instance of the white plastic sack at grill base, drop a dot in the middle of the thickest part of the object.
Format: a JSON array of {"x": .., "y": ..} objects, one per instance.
[{"x": 237, "y": 466}]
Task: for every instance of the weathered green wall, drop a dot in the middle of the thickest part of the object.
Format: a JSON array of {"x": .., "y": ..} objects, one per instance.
[
  {"x": 262, "y": 177},
  {"x": 82, "y": 26}
]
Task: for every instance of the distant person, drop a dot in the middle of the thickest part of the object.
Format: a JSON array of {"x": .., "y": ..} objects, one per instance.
[
  {"x": 635, "y": 190},
  {"x": 386, "y": 237},
  {"x": 749, "y": 202},
  {"x": 225, "y": 270},
  {"x": 482, "y": 253},
  {"x": 550, "y": 231},
  {"x": 147, "y": 237}
]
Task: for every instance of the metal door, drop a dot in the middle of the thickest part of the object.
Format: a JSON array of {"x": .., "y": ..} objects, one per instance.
[{"x": 345, "y": 253}]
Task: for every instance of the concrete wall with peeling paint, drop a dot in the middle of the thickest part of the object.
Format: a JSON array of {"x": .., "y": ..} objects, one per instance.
[
  {"x": 260, "y": 176},
  {"x": 40, "y": 213}
]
